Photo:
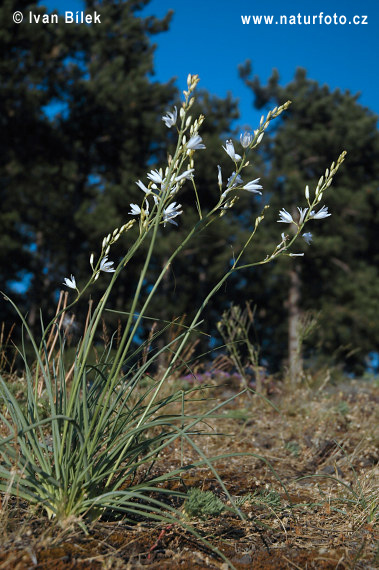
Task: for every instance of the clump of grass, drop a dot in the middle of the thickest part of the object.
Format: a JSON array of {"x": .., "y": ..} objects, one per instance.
[
  {"x": 202, "y": 504},
  {"x": 267, "y": 497},
  {"x": 342, "y": 408},
  {"x": 293, "y": 447}
]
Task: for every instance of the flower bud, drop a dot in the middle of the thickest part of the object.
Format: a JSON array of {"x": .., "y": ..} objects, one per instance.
[{"x": 246, "y": 139}]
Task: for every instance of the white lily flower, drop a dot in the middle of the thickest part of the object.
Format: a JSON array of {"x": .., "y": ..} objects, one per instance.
[
  {"x": 285, "y": 217},
  {"x": 170, "y": 119},
  {"x": 195, "y": 143},
  {"x": 232, "y": 183},
  {"x": 229, "y": 149},
  {"x": 171, "y": 212},
  {"x": 106, "y": 265},
  {"x": 303, "y": 213},
  {"x": 323, "y": 213},
  {"x": 187, "y": 174},
  {"x": 246, "y": 139},
  {"x": 135, "y": 210},
  {"x": 70, "y": 282},
  {"x": 155, "y": 176},
  {"x": 143, "y": 187},
  {"x": 253, "y": 186}
]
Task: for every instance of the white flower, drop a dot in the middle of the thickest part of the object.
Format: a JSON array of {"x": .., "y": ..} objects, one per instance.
[
  {"x": 143, "y": 187},
  {"x": 70, "y": 282},
  {"x": 195, "y": 143},
  {"x": 171, "y": 212},
  {"x": 323, "y": 213},
  {"x": 187, "y": 174},
  {"x": 246, "y": 139},
  {"x": 170, "y": 119},
  {"x": 234, "y": 180},
  {"x": 253, "y": 186},
  {"x": 302, "y": 213},
  {"x": 307, "y": 237},
  {"x": 219, "y": 175},
  {"x": 285, "y": 217},
  {"x": 135, "y": 210},
  {"x": 296, "y": 254},
  {"x": 155, "y": 176},
  {"x": 229, "y": 149},
  {"x": 106, "y": 265}
]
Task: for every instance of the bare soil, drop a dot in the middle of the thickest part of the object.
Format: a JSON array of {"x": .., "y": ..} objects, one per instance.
[{"x": 310, "y": 489}]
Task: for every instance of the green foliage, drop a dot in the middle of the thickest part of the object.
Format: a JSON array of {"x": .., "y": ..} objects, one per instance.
[
  {"x": 342, "y": 408},
  {"x": 202, "y": 504},
  {"x": 267, "y": 497},
  {"x": 293, "y": 447}
]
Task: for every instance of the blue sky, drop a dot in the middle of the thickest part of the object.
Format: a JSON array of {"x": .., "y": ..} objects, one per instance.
[{"x": 207, "y": 37}]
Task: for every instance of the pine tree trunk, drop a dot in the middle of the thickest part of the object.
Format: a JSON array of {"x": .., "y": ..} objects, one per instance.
[{"x": 294, "y": 340}]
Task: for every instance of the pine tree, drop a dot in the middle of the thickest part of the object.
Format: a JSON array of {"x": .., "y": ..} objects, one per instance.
[
  {"x": 30, "y": 66},
  {"x": 339, "y": 274},
  {"x": 81, "y": 118}
]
